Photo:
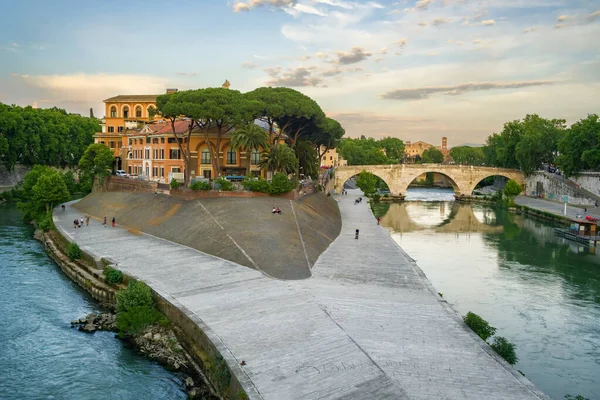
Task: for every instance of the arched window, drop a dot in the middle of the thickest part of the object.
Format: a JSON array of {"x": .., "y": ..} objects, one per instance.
[
  {"x": 231, "y": 156},
  {"x": 138, "y": 112},
  {"x": 255, "y": 157},
  {"x": 125, "y": 112},
  {"x": 113, "y": 112},
  {"x": 205, "y": 156}
]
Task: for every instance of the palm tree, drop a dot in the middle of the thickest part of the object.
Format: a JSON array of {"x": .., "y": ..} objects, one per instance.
[
  {"x": 248, "y": 138},
  {"x": 279, "y": 158},
  {"x": 307, "y": 158}
]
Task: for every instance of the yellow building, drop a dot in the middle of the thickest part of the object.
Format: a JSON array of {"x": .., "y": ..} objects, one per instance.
[
  {"x": 331, "y": 158},
  {"x": 414, "y": 151}
]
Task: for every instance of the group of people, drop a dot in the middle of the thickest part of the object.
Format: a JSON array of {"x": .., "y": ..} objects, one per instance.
[
  {"x": 358, "y": 200},
  {"x": 79, "y": 223},
  {"x": 344, "y": 192},
  {"x": 276, "y": 210}
]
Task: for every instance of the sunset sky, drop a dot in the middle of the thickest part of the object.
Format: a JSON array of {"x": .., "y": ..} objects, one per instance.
[{"x": 416, "y": 70}]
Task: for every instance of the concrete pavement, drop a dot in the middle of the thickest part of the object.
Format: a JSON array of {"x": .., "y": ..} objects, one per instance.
[
  {"x": 367, "y": 325},
  {"x": 557, "y": 207}
]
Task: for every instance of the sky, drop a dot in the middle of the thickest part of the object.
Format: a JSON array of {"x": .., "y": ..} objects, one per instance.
[{"x": 411, "y": 69}]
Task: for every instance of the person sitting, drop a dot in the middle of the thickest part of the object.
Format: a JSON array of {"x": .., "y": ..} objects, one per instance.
[
  {"x": 274, "y": 211},
  {"x": 63, "y": 207},
  {"x": 278, "y": 210}
]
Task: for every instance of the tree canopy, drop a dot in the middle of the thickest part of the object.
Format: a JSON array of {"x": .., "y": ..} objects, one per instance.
[
  {"x": 432, "y": 156},
  {"x": 467, "y": 155},
  {"x": 369, "y": 151},
  {"x": 580, "y": 146},
  {"x": 97, "y": 161},
  {"x": 50, "y": 136}
]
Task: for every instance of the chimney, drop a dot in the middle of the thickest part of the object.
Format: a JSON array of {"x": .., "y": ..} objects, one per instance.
[{"x": 170, "y": 91}]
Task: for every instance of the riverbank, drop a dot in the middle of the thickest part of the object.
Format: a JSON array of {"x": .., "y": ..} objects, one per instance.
[
  {"x": 157, "y": 343},
  {"x": 553, "y": 211},
  {"x": 354, "y": 330}
]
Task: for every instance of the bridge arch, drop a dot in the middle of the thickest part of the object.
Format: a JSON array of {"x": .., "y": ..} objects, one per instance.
[{"x": 463, "y": 178}]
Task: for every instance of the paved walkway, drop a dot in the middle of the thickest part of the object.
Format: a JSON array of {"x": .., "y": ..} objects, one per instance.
[
  {"x": 367, "y": 325},
  {"x": 557, "y": 207}
]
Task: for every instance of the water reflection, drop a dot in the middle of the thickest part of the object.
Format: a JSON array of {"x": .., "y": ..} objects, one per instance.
[{"x": 541, "y": 291}]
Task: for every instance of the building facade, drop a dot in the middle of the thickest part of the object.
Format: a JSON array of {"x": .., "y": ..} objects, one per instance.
[
  {"x": 414, "y": 151},
  {"x": 331, "y": 158}
]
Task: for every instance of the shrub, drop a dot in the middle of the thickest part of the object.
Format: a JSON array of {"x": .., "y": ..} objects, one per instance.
[
  {"x": 256, "y": 185},
  {"x": 200, "y": 186},
  {"x": 135, "y": 309},
  {"x": 112, "y": 276},
  {"x": 45, "y": 222},
  {"x": 74, "y": 252},
  {"x": 505, "y": 349},
  {"x": 224, "y": 184},
  {"x": 174, "y": 184},
  {"x": 221, "y": 376},
  {"x": 280, "y": 184},
  {"x": 376, "y": 198},
  {"x": 480, "y": 326}
]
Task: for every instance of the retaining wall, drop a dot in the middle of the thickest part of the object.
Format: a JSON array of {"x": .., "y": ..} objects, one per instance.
[{"x": 555, "y": 188}]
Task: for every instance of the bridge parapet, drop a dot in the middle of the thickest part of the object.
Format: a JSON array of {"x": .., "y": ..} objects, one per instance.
[{"x": 398, "y": 177}]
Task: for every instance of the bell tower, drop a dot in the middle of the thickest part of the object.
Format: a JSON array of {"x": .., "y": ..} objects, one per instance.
[
  {"x": 226, "y": 84},
  {"x": 444, "y": 143}
]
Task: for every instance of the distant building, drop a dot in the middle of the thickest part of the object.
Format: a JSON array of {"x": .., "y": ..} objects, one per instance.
[
  {"x": 414, "y": 151},
  {"x": 331, "y": 158}
]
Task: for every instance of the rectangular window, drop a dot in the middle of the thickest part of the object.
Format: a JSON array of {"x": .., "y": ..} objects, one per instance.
[
  {"x": 162, "y": 154},
  {"x": 111, "y": 129},
  {"x": 171, "y": 140},
  {"x": 256, "y": 174},
  {"x": 155, "y": 171},
  {"x": 205, "y": 157},
  {"x": 138, "y": 113},
  {"x": 175, "y": 169},
  {"x": 120, "y": 129},
  {"x": 174, "y": 154},
  {"x": 113, "y": 114},
  {"x": 130, "y": 141},
  {"x": 147, "y": 154},
  {"x": 147, "y": 139},
  {"x": 112, "y": 144},
  {"x": 231, "y": 157},
  {"x": 255, "y": 158},
  {"x": 206, "y": 173},
  {"x": 162, "y": 172},
  {"x": 147, "y": 171},
  {"x": 162, "y": 140},
  {"x": 102, "y": 142},
  {"x": 129, "y": 170}
]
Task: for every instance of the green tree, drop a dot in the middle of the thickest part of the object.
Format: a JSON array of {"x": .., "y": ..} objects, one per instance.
[
  {"x": 394, "y": 148},
  {"x": 512, "y": 188},
  {"x": 97, "y": 161},
  {"x": 49, "y": 191},
  {"x": 327, "y": 136},
  {"x": 505, "y": 349},
  {"x": 248, "y": 138},
  {"x": 362, "y": 152},
  {"x": 366, "y": 182},
  {"x": 307, "y": 158},
  {"x": 538, "y": 143},
  {"x": 580, "y": 146},
  {"x": 279, "y": 158},
  {"x": 280, "y": 184},
  {"x": 432, "y": 155},
  {"x": 209, "y": 110},
  {"x": 467, "y": 155}
]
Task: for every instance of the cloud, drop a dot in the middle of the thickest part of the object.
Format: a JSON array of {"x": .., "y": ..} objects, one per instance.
[
  {"x": 185, "y": 73},
  {"x": 422, "y": 5},
  {"x": 332, "y": 72},
  {"x": 402, "y": 42},
  {"x": 297, "y": 9},
  {"x": 249, "y": 65},
  {"x": 356, "y": 54},
  {"x": 457, "y": 42},
  {"x": 594, "y": 15},
  {"x": 439, "y": 21},
  {"x": 529, "y": 30},
  {"x": 562, "y": 18},
  {"x": 383, "y": 50},
  {"x": 292, "y": 77},
  {"x": 241, "y": 6},
  {"x": 488, "y": 22},
  {"x": 425, "y": 92},
  {"x": 433, "y": 54}
]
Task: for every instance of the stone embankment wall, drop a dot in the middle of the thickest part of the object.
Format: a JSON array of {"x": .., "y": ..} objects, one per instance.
[
  {"x": 197, "y": 339},
  {"x": 242, "y": 230},
  {"x": 9, "y": 179},
  {"x": 554, "y": 187},
  {"x": 589, "y": 181}
]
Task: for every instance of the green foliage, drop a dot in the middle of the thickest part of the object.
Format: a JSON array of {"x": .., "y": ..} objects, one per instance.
[
  {"x": 49, "y": 191},
  {"x": 279, "y": 158},
  {"x": 42, "y": 189},
  {"x": 429, "y": 179},
  {"x": 512, "y": 188},
  {"x": 220, "y": 375},
  {"x": 224, "y": 184},
  {"x": 580, "y": 147},
  {"x": 135, "y": 309},
  {"x": 74, "y": 252},
  {"x": 71, "y": 182},
  {"x": 369, "y": 151},
  {"x": 376, "y": 198},
  {"x": 43, "y": 136},
  {"x": 200, "y": 186},
  {"x": 249, "y": 137},
  {"x": 280, "y": 184},
  {"x": 256, "y": 185},
  {"x": 174, "y": 184},
  {"x": 112, "y": 276},
  {"x": 308, "y": 160},
  {"x": 467, "y": 155},
  {"x": 432, "y": 156},
  {"x": 366, "y": 182},
  {"x": 97, "y": 161},
  {"x": 45, "y": 222},
  {"x": 379, "y": 209},
  {"x": 480, "y": 326},
  {"x": 505, "y": 349}
]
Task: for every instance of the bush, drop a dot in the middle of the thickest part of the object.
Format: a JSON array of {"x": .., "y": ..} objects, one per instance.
[
  {"x": 200, "y": 186},
  {"x": 174, "y": 184},
  {"x": 74, "y": 252},
  {"x": 256, "y": 185},
  {"x": 280, "y": 184},
  {"x": 112, "y": 276},
  {"x": 135, "y": 309},
  {"x": 505, "y": 349},
  {"x": 480, "y": 326},
  {"x": 376, "y": 198},
  {"x": 224, "y": 184},
  {"x": 45, "y": 222}
]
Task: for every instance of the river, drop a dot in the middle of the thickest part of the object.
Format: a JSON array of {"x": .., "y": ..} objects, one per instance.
[
  {"x": 540, "y": 291},
  {"x": 41, "y": 356}
]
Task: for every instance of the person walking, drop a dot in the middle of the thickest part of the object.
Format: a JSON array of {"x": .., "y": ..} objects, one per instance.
[
  {"x": 104, "y": 223},
  {"x": 81, "y": 222},
  {"x": 87, "y": 221},
  {"x": 378, "y": 220},
  {"x": 113, "y": 222}
]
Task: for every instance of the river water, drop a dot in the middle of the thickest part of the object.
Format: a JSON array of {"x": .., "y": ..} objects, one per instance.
[
  {"x": 41, "y": 356},
  {"x": 540, "y": 291}
]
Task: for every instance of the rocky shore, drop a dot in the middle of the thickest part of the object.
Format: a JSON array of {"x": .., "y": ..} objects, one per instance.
[{"x": 158, "y": 343}]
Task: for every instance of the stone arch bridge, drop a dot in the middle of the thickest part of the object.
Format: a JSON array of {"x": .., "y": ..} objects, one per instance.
[{"x": 463, "y": 178}]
